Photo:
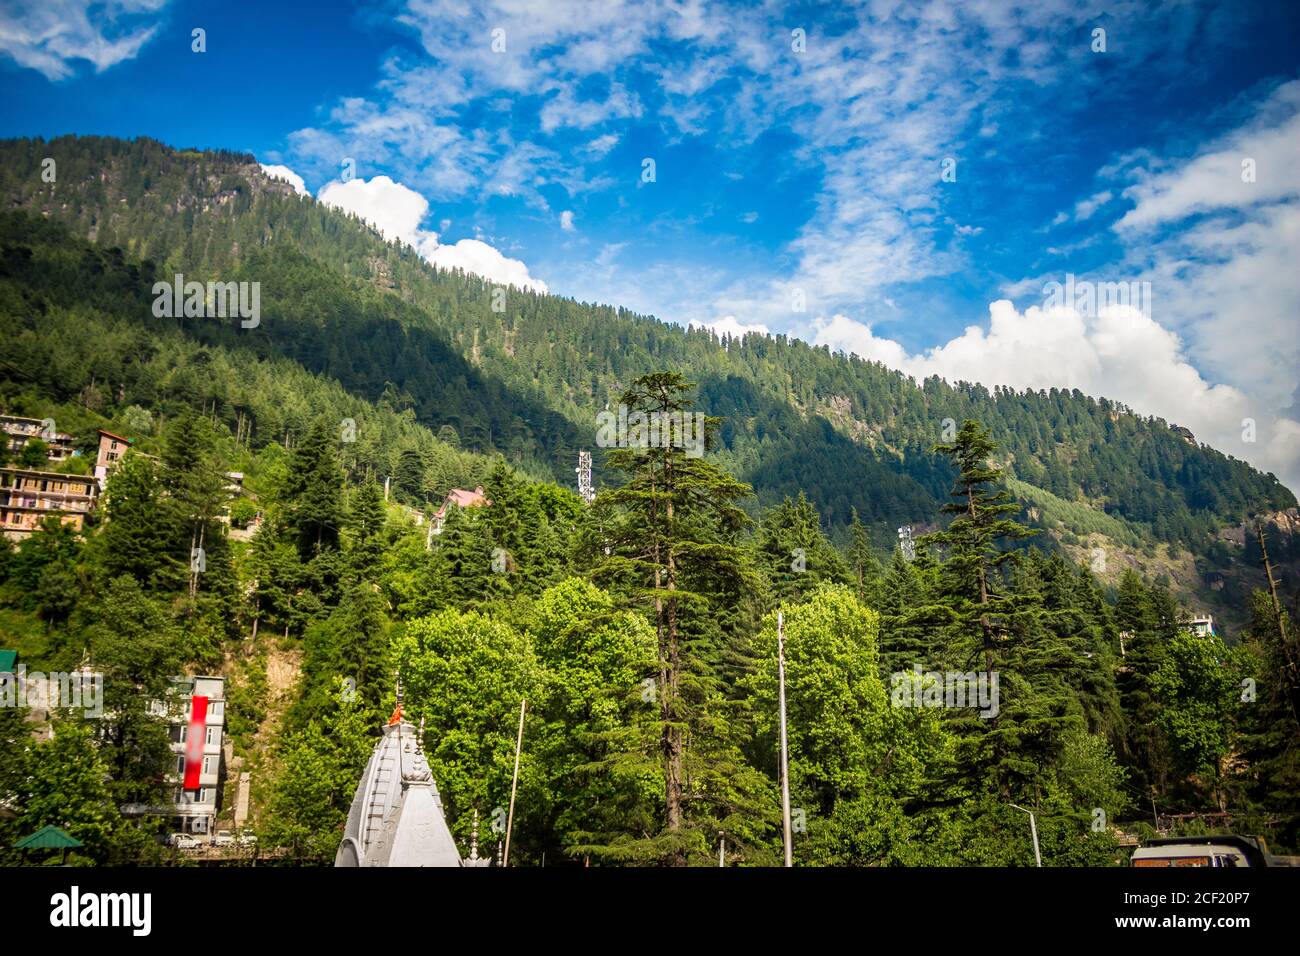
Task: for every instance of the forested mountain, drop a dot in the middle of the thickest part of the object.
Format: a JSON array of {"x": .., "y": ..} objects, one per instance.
[
  {"x": 641, "y": 628},
  {"x": 527, "y": 381}
]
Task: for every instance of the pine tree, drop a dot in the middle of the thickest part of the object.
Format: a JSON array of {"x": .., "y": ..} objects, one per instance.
[
  {"x": 794, "y": 552},
  {"x": 196, "y": 491},
  {"x": 674, "y": 534},
  {"x": 313, "y": 492},
  {"x": 980, "y": 525},
  {"x": 863, "y": 561},
  {"x": 1272, "y": 739},
  {"x": 993, "y": 625},
  {"x": 367, "y": 520}
]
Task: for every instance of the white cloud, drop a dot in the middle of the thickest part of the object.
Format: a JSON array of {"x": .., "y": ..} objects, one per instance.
[
  {"x": 567, "y": 110},
  {"x": 50, "y": 35},
  {"x": 871, "y": 109},
  {"x": 388, "y": 206},
  {"x": 1119, "y": 354},
  {"x": 1220, "y": 255},
  {"x": 1214, "y": 179},
  {"x": 479, "y": 258},
  {"x": 730, "y": 325},
  {"x": 566, "y": 220},
  {"x": 397, "y": 212},
  {"x": 601, "y": 145},
  {"x": 1084, "y": 208},
  {"x": 288, "y": 175}
]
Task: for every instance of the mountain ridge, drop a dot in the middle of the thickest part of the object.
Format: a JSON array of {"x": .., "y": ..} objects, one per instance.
[{"x": 527, "y": 382}]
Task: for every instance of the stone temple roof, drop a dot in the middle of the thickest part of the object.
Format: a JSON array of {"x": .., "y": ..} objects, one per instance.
[{"x": 396, "y": 817}]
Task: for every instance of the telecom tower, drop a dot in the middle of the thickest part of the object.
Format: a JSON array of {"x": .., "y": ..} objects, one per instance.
[
  {"x": 585, "y": 490},
  {"x": 905, "y": 542}
]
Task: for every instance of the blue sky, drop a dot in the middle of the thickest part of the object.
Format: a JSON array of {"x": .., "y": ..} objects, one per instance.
[{"x": 799, "y": 152}]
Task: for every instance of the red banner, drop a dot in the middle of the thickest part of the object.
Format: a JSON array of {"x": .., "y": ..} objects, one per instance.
[{"x": 194, "y": 743}]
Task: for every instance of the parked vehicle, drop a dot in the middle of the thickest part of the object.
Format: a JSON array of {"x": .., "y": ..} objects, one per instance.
[
  {"x": 1223, "y": 849},
  {"x": 183, "y": 841},
  {"x": 247, "y": 839},
  {"x": 224, "y": 838}
]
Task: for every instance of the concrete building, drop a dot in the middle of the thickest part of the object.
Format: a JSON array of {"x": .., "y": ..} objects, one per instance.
[
  {"x": 19, "y": 431},
  {"x": 195, "y": 811},
  {"x": 1202, "y": 626},
  {"x": 27, "y": 497},
  {"x": 111, "y": 449}
]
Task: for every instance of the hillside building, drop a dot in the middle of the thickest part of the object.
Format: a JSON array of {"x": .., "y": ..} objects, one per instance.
[
  {"x": 27, "y": 497},
  {"x": 194, "y": 811},
  {"x": 19, "y": 431},
  {"x": 459, "y": 498},
  {"x": 111, "y": 449}
]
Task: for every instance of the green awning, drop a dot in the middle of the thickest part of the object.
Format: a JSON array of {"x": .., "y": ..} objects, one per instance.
[
  {"x": 7, "y": 659},
  {"x": 48, "y": 838}
]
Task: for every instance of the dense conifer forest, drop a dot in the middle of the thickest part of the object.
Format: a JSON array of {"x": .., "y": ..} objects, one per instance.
[{"x": 640, "y": 627}]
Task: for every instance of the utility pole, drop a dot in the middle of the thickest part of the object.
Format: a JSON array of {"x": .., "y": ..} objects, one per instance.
[
  {"x": 1033, "y": 830},
  {"x": 514, "y": 783},
  {"x": 722, "y": 849},
  {"x": 785, "y": 757}
]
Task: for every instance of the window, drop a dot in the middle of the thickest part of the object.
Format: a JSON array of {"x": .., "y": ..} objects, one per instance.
[
  {"x": 207, "y": 761},
  {"x": 208, "y": 740},
  {"x": 180, "y": 763}
]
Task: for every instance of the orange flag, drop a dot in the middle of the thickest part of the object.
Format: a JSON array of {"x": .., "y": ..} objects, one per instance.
[{"x": 397, "y": 716}]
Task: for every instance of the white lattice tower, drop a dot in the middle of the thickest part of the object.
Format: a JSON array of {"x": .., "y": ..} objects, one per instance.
[
  {"x": 585, "y": 490},
  {"x": 905, "y": 542}
]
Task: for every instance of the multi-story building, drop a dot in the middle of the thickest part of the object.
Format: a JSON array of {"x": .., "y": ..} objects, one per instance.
[
  {"x": 19, "y": 431},
  {"x": 1202, "y": 626},
  {"x": 26, "y": 497},
  {"x": 111, "y": 449},
  {"x": 195, "y": 811}
]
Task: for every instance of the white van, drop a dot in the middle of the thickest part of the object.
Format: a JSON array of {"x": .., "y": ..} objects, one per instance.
[{"x": 1220, "y": 850}]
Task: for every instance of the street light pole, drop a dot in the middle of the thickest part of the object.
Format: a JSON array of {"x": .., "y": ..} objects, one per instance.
[
  {"x": 1033, "y": 830},
  {"x": 785, "y": 757},
  {"x": 514, "y": 783}
]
